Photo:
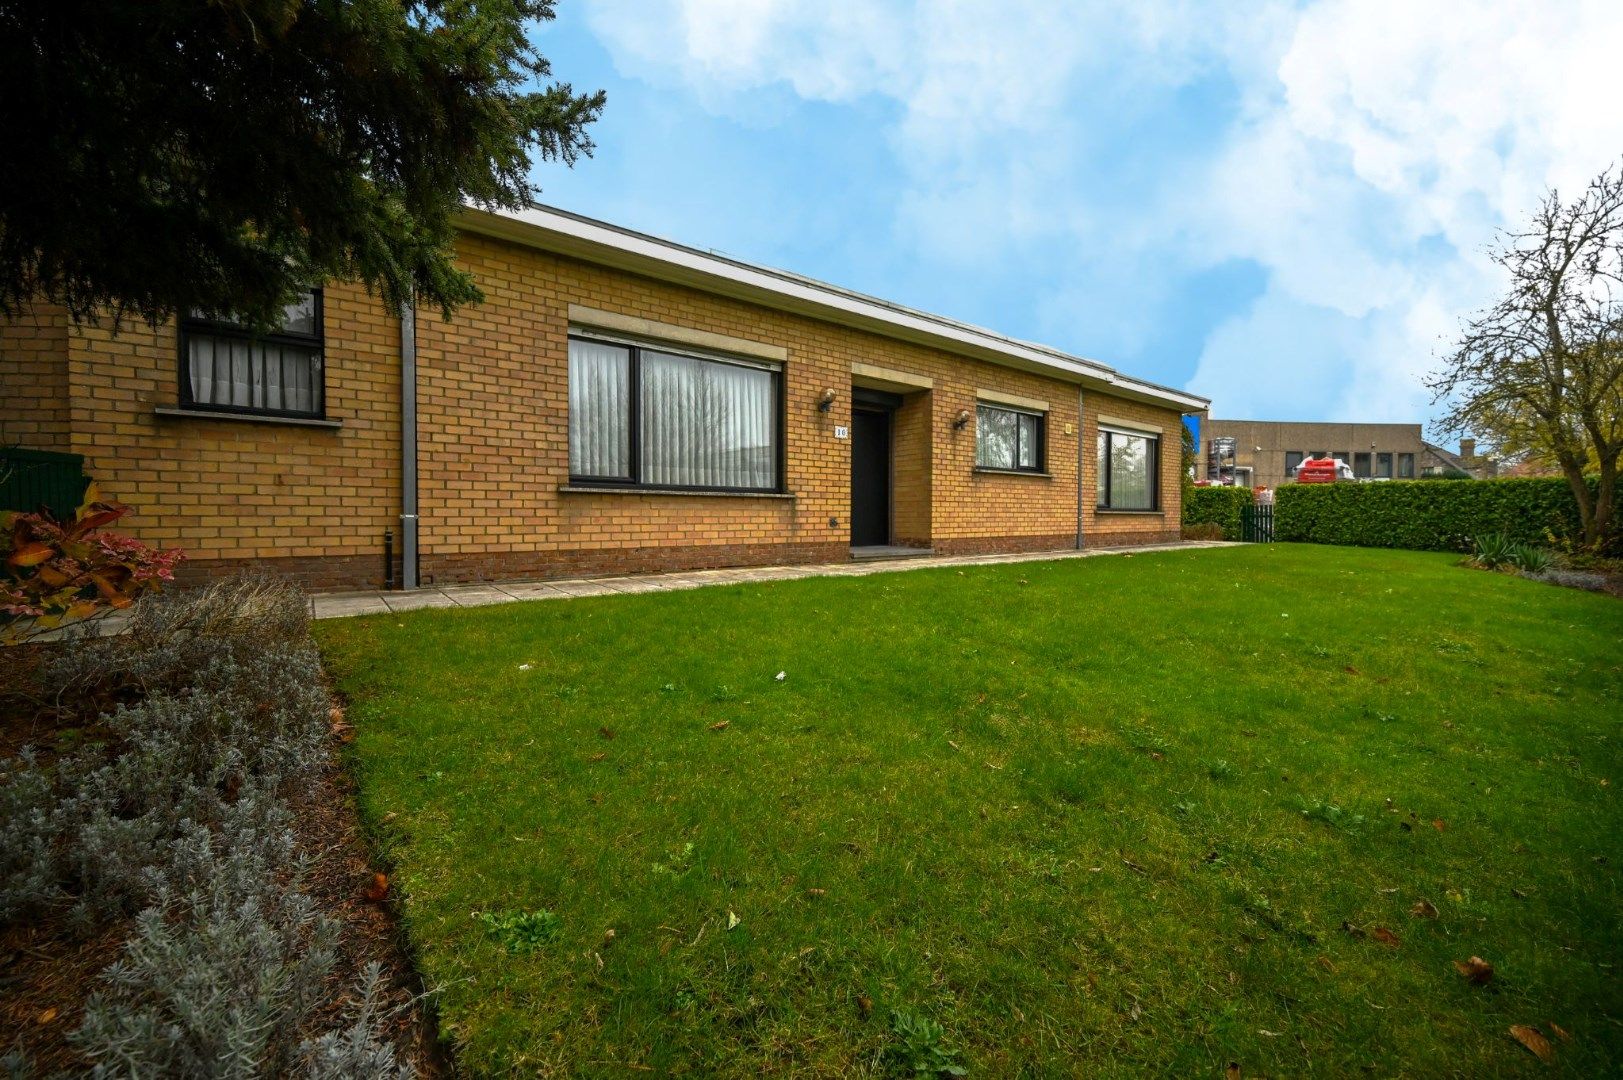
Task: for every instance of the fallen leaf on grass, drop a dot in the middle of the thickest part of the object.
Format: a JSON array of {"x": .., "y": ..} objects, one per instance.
[
  {"x": 1437, "y": 823},
  {"x": 720, "y": 725},
  {"x": 336, "y": 714},
  {"x": 864, "y": 1004},
  {"x": 1352, "y": 931},
  {"x": 733, "y": 921},
  {"x": 1535, "y": 1042},
  {"x": 378, "y": 888},
  {"x": 1475, "y": 970},
  {"x": 599, "y": 756},
  {"x": 608, "y": 936},
  {"x": 1232, "y": 1072},
  {"x": 606, "y": 732},
  {"x": 1558, "y": 1031},
  {"x": 1324, "y": 962},
  {"x": 1424, "y": 909},
  {"x": 814, "y": 893},
  {"x": 47, "y": 1016},
  {"x": 1385, "y": 936},
  {"x": 1350, "y": 670}
]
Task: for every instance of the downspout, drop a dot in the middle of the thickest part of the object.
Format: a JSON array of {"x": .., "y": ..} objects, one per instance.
[
  {"x": 1081, "y": 441},
  {"x": 408, "y": 446}
]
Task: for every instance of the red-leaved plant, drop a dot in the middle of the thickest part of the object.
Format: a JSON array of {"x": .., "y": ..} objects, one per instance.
[{"x": 52, "y": 572}]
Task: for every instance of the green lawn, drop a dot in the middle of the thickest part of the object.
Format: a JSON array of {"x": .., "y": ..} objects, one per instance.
[{"x": 1113, "y": 816}]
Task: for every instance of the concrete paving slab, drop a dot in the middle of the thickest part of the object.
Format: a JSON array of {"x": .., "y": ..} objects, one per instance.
[{"x": 339, "y": 605}]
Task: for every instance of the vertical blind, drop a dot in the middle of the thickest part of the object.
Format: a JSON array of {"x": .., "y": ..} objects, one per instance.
[
  {"x": 698, "y": 423},
  {"x": 1126, "y": 471}
]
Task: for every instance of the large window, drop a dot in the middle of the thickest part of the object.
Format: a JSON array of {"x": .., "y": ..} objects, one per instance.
[
  {"x": 225, "y": 368},
  {"x": 1128, "y": 468},
  {"x": 1361, "y": 465},
  {"x": 1008, "y": 439},
  {"x": 640, "y": 416},
  {"x": 1293, "y": 458},
  {"x": 1405, "y": 466},
  {"x": 1383, "y": 466}
]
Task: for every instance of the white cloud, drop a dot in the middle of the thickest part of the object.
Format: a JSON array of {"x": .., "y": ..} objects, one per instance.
[{"x": 1370, "y": 150}]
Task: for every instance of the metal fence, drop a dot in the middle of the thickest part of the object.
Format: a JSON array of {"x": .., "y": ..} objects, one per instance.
[{"x": 1257, "y": 524}]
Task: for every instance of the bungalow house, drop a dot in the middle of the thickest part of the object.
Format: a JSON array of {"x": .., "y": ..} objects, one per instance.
[{"x": 618, "y": 403}]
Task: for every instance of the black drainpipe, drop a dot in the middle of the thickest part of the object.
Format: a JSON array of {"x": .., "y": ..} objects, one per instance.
[{"x": 408, "y": 446}]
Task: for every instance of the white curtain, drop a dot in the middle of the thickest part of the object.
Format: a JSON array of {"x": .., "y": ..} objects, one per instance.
[
  {"x": 599, "y": 410},
  {"x": 1131, "y": 460},
  {"x": 705, "y": 424},
  {"x": 242, "y": 374},
  {"x": 1028, "y": 440}
]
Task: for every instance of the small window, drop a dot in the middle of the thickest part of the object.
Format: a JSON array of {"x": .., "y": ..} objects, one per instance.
[
  {"x": 1293, "y": 458},
  {"x": 226, "y": 368},
  {"x": 1320, "y": 455},
  {"x": 1008, "y": 439},
  {"x": 644, "y": 417},
  {"x": 1405, "y": 466},
  {"x": 1129, "y": 468},
  {"x": 1361, "y": 465},
  {"x": 1383, "y": 466}
]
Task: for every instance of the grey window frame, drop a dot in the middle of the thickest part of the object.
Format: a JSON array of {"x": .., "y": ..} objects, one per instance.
[
  {"x": 634, "y": 419},
  {"x": 1040, "y": 457},
  {"x": 191, "y": 327},
  {"x": 1104, "y": 483}
]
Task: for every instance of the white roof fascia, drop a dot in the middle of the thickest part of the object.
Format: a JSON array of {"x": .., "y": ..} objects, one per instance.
[{"x": 599, "y": 242}]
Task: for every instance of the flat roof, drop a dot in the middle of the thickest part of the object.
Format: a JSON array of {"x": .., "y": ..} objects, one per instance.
[{"x": 573, "y": 235}]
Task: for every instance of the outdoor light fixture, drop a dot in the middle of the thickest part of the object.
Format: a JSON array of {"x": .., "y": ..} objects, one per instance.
[
  {"x": 960, "y": 421},
  {"x": 826, "y": 402}
]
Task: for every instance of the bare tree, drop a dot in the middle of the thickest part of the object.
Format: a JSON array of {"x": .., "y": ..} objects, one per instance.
[{"x": 1541, "y": 371}]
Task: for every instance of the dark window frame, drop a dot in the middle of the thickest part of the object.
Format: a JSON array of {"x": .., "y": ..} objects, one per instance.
[
  {"x": 1290, "y": 465},
  {"x": 190, "y": 326},
  {"x": 634, "y": 420},
  {"x": 1363, "y": 464},
  {"x": 1105, "y": 482},
  {"x": 1040, "y": 457}
]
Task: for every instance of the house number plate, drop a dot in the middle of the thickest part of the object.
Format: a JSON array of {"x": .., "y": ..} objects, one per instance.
[{"x": 842, "y": 433}]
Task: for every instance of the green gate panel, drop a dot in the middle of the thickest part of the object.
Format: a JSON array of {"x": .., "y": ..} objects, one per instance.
[{"x": 31, "y": 479}]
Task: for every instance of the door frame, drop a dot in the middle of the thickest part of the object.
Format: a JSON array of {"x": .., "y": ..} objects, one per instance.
[{"x": 882, "y": 403}]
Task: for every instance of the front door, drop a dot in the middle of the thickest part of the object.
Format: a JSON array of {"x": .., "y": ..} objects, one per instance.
[{"x": 870, "y": 477}]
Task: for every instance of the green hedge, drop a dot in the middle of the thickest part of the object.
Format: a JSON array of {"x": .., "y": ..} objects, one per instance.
[
  {"x": 1218, "y": 505},
  {"x": 1428, "y": 517}
]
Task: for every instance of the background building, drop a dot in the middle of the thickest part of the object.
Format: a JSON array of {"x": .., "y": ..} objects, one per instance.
[{"x": 1265, "y": 451}]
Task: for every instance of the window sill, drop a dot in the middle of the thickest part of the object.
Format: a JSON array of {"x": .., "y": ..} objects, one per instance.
[
  {"x": 253, "y": 418},
  {"x": 1134, "y": 513},
  {"x": 989, "y": 471},
  {"x": 610, "y": 489}
]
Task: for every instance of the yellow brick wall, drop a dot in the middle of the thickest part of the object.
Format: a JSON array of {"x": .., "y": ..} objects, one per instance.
[
  {"x": 493, "y": 442},
  {"x": 309, "y": 501},
  {"x": 34, "y": 401}
]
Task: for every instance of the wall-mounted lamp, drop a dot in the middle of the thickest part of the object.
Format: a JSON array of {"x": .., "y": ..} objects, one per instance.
[
  {"x": 826, "y": 402},
  {"x": 961, "y": 421}
]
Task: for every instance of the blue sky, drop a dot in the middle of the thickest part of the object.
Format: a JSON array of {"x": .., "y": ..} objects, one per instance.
[{"x": 1283, "y": 207}]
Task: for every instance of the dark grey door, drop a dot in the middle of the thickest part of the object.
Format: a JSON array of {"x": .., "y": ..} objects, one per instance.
[{"x": 870, "y": 477}]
